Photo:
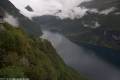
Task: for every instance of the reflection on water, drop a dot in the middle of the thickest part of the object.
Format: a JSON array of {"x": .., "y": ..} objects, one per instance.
[{"x": 78, "y": 58}]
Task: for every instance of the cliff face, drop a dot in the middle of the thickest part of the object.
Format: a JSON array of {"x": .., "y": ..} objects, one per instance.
[{"x": 24, "y": 56}]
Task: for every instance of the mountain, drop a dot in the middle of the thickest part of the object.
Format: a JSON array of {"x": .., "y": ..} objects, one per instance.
[
  {"x": 34, "y": 58},
  {"x": 26, "y": 56},
  {"x": 102, "y": 4},
  {"x": 24, "y": 22},
  {"x": 96, "y": 27},
  {"x": 99, "y": 27},
  {"x": 29, "y": 8}
]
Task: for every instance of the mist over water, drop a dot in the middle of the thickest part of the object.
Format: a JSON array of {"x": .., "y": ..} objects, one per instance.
[{"x": 82, "y": 59}]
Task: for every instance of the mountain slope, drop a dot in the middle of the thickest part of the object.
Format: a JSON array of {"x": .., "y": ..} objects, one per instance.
[
  {"x": 23, "y": 56},
  {"x": 94, "y": 28},
  {"x": 24, "y": 22}
]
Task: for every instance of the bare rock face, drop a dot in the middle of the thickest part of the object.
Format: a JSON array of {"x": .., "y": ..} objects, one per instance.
[
  {"x": 29, "y": 8},
  {"x": 2, "y": 14}
]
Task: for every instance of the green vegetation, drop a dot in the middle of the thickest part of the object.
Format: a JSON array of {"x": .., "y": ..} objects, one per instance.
[{"x": 34, "y": 58}]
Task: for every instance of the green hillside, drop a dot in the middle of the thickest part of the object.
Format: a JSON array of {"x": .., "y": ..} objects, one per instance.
[{"x": 25, "y": 56}]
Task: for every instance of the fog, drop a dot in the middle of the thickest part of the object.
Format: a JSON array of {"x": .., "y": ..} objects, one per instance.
[
  {"x": 72, "y": 9},
  {"x": 81, "y": 59},
  {"x": 61, "y": 8},
  {"x": 11, "y": 20}
]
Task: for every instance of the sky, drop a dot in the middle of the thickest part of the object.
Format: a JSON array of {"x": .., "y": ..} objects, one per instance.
[{"x": 61, "y": 8}]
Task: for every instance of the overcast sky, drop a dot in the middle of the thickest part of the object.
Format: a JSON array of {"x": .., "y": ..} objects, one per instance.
[{"x": 61, "y": 8}]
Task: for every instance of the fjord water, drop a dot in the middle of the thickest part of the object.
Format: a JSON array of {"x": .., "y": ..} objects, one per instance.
[{"x": 94, "y": 62}]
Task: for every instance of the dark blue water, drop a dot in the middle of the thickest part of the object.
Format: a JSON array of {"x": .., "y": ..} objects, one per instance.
[
  {"x": 97, "y": 63},
  {"x": 107, "y": 54}
]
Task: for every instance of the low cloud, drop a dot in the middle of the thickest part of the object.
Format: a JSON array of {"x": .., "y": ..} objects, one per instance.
[
  {"x": 107, "y": 11},
  {"x": 93, "y": 24},
  {"x": 104, "y": 12},
  {"x": 117, "y": 13},
  {"x": 11, "y": 20},
  {"x": 61, "y": 8}
]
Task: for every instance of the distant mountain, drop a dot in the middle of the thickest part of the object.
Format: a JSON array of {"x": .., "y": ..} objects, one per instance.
[
  {"x": 102, "y": 4},
  {"x": 28, "y": 25},
  {"x": 99, "y": 28},
  {"x": 94, "y": 28}
]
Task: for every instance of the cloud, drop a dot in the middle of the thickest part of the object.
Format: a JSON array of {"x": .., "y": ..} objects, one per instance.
[
  {"x": 107, "y": 11},
  {"x": 117, "y": 13},
  {"x": 11, "y": 20},
  {"x": 93, "y": 24},
  {"x": 103, "y": 12},
  {"x": 60, "y": 8}
]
